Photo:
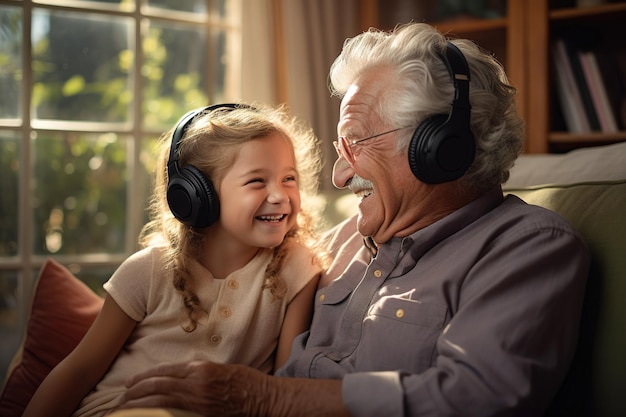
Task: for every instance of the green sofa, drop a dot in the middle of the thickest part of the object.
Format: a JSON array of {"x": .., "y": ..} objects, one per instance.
[{"x": 587, "y": 186}]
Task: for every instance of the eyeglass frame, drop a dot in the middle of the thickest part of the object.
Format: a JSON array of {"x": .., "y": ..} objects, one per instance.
[{"x": 343, "y": 146}]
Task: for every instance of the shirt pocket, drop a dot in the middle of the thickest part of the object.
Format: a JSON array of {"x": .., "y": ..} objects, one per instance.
[
  {"x": 413, "y": 312},
  {"x": 339, "y": 290},
  {"x": 330, "y": 303},
  {"x": 400, "y": 333}
]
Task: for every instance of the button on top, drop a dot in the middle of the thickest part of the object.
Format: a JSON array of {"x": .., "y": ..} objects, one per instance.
[
  {"x": 233, "y": 284},
  {"x": 399, "y": 313},
  {"x": 378, "y": 273},
  {"x": 215, "y": 339},
  {"x": 225, "y": 312}
]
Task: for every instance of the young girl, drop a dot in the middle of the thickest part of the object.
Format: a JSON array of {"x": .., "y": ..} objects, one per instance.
[{"x": 226, "y": 273}]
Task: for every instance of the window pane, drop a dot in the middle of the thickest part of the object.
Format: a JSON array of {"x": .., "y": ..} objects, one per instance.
[
  {"x": 10, "y": 62},
  {"x": 79, "y": 193},
  {"x": 126, "y": 5},
  {"x": 225, "y": 73},
  {"x": 194, "y": 6},
  {"x": 226, "y": 10},
  {"x": 9, "y": 192},
  {"x": 10, "y": 326},
  {"x": 82, "y": 66},
  {"x": 174, "y": 68},
  {"x": 94, "y": 277},
  {"x": 148, "y": 159}
]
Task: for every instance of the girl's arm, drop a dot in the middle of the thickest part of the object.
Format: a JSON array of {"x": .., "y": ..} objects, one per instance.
[
  {"x": 76, "y": 375},
  {"x": 297, "y": 320}
]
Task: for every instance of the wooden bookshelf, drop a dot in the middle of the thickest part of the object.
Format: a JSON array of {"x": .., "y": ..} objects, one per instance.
[
  {"x": 521, "y": 40},
  {"x": 545, "y": 132}
]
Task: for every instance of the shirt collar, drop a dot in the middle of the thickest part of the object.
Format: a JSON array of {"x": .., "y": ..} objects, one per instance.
[
  {"x": 371, "y": 246},
  {"x": 421, "y": 241}
]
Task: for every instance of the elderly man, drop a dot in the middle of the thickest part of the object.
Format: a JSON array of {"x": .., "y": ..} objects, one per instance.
[{"x": 451, "y": 299}]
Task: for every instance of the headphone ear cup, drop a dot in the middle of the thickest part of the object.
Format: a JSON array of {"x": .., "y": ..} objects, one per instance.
[
  {"x": 420, "y": 148},
  {"x": 440, "y": 151},
  {"x": 192, "y": 198}
]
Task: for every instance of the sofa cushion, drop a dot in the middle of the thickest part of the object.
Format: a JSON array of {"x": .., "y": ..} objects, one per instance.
[
  {"x": 598, "y": 211},
  {"x": 62, "y": 310},
  {"x": 600, "y": 163}
]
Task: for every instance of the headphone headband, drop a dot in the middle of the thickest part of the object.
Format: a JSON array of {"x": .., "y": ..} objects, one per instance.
[
  {"x": 184, "y": 123},
  {"x": 442, "y": 147},
  {"x": 455, "y": 62}
]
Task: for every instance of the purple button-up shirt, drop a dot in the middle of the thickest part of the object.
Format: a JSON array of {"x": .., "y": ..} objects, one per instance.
[{"x": 476, "y": 314}]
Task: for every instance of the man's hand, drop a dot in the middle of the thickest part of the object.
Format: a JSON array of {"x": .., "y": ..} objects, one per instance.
[
  {"x": 203, "y": 387},
  {"x": 212, "y": 389}
]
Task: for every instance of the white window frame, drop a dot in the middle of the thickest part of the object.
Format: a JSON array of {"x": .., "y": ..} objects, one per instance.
[{"x": 26, "y": 264}]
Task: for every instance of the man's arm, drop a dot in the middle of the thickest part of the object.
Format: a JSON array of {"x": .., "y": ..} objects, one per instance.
[{"x": 232, "y": 390}]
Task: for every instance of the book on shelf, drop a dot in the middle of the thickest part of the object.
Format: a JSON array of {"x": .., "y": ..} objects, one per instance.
[
  {"x": 582, "y": 84},
  {"x": 613, "y": 78},
  {"x": 568, "y": 92},
  {"x": 597, "y": 89}
]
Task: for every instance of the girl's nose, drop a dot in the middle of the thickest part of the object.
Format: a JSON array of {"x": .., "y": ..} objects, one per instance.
[{"x": 277, "y": 195}]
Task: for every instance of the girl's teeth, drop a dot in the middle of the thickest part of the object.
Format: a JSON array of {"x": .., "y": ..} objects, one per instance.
[{"x": 271, "y": 218}]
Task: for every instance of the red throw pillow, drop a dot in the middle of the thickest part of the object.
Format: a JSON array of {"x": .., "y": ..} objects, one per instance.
[{"x": 63, "y": 308}]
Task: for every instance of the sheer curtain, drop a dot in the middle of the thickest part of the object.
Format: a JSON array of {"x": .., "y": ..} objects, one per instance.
[{"x": 293, "y": 69}]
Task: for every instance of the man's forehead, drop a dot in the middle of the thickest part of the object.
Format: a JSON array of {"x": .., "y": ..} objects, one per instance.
[{"x": 366, "y": 90}]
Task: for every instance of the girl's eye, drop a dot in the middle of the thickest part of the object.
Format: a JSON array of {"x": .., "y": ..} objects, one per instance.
[
  {"x": 254, "y": 180},
  {"x": 290, "y": 178}
]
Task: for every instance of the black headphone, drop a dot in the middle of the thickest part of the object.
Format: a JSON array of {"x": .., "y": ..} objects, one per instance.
[
  {"x": 442, "y": 147},
  {"x": 191, "y": 196}
]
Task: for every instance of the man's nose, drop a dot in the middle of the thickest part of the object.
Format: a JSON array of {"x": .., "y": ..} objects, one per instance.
[{"x": 342, "y": 172}]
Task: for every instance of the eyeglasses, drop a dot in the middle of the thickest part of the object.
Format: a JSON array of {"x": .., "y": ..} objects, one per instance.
[{"x": 343, "y": 145}]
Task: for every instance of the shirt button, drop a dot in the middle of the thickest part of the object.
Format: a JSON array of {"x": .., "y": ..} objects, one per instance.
[
  {"x": 233, "y": 284},
  {"x": 322, "y": 296},
  {"x": 215, "y": 339},
  {"x": 399, "y": 313},
  {"x": 225, "y": 312},
  {"x": 378, "y": 273}
]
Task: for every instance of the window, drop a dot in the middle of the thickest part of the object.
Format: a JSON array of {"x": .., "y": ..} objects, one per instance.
[{"x": 87, "y": 88}]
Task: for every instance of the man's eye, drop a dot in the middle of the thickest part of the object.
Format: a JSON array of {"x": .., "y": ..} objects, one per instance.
[{"x": 290, "y": 178}]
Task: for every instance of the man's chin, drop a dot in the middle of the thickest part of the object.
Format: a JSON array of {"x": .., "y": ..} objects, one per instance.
[{"x": 363, "y": 225}]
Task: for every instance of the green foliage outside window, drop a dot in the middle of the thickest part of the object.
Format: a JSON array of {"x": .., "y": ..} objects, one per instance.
[{"x": 79, "y": 123}]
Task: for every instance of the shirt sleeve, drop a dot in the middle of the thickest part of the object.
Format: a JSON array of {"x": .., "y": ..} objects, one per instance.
[
  {"x": 508, "y": 347},
  {"x": 130, "y": 284},
  {"x": 386, "y": 402},
  {"x": 299, "y": 268}
]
